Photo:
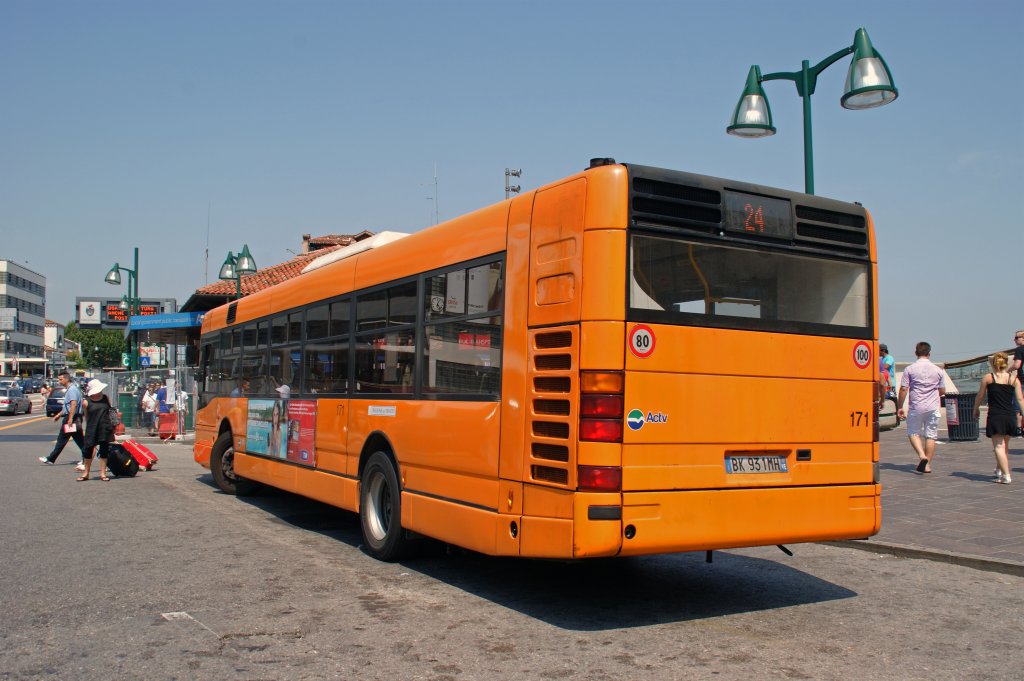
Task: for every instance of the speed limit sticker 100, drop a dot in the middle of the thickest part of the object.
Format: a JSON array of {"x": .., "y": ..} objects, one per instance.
[
  {"x": 861, "y": 355},
  {"x": 641, "y": 341}
]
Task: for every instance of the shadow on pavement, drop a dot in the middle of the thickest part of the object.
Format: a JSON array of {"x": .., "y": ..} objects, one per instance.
[
  {"x": 910, "y": 468},
  {"x": 590, "y": 595}
]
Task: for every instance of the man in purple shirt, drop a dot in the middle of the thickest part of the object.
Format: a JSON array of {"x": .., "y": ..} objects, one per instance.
[{"x": 925, "y": 384}]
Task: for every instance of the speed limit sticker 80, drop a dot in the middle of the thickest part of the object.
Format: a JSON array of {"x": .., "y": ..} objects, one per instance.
[{"x": 641, "y": 341}]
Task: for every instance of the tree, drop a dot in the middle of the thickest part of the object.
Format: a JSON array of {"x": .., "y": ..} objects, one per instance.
[
  {"x": 100, "y": 347},
  {"x": 74, "y": 360}
]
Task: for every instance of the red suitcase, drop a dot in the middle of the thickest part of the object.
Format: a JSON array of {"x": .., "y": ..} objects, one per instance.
[
  {"x": 147, "y": 459},
  {"x": 168, "y": 425}
]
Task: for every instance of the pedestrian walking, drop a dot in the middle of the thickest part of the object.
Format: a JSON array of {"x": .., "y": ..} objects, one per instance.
[
  {"x": 70, "y": 418},
  {"x": 149, "y": 408},
  {"x": 99, "y": 431},
  {"x": 1018, "y": 368},
  {"x": 924, "y": 383},
  {"x": 1003, "y": 389}
]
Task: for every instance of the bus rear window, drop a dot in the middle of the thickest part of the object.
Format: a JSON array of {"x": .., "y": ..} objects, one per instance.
[{"x": 683, "y": 282}]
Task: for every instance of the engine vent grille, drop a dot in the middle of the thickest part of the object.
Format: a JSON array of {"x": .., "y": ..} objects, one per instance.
[
  {"x": 550, "y": 452},
  {"x": 552, "y": 384},
  {"x": 232, "y": 313},
  {"x": 553, "y": 362},
  {"x": 559, "y": 339},
  {"x": 552, "y": 407},
  {"x": 552, "y": 437},
  {"x": 559, "y": 476},
  {"x": 829, "y": 229},
  {"x": 676, "y": 205},
  {"x": 551, "y": 429}
]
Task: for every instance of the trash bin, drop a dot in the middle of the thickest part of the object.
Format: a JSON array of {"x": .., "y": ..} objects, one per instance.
[
  {"x": 960, "y": 416},
  {"x": 126, "y": 404}
]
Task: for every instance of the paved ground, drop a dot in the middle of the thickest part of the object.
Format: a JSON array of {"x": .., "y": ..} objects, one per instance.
[
  {"x": 956, "y": 509},
  {"x": 955, "y": 514}
]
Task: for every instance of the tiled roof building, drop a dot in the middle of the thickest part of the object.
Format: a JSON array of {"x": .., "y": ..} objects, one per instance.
[{"x": 221, "y": 291}]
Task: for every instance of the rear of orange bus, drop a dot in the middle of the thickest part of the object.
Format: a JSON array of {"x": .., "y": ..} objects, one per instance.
[{"x": 724, "y": 365}]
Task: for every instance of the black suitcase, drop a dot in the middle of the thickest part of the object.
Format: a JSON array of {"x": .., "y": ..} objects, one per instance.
[{"x": 120, "y": 462}]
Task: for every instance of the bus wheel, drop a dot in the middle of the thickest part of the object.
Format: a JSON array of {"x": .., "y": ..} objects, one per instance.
[
  {"x": 222, "y": 465},
  {"x": 380, "y": 509}
]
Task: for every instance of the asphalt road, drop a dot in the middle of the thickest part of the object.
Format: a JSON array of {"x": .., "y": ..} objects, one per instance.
[{"x": 164, "y": 577}]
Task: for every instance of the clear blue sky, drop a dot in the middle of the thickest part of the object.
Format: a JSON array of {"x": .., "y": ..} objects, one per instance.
[{"x": 122, "y": 122}]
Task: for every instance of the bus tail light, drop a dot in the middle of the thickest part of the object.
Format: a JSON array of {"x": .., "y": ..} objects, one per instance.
[
  {"x": 602, "y": 382},
  {"x": 601, "y": 402},
  {"x": 599, "y": 478},
  {"x": 601, "y": 430},
  {"x": 601, "y": 406}
]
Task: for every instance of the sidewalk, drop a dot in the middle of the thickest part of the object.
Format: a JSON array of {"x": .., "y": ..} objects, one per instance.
[{"x": 955, "y": 513}]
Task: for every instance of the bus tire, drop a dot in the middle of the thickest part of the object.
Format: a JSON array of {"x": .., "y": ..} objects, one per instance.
[
  {"x": 222, "y": 465},
  {"x": 380, "y": 509}
]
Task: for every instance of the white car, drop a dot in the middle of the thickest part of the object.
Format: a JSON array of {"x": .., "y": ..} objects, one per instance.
[{"x": 12, "y": 400}]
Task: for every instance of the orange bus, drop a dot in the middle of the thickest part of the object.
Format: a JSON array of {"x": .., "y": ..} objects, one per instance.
[{"x": 628, "y": 361}]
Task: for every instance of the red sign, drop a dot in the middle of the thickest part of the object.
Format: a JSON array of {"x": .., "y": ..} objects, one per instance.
[
  {"x": 117, "y": 315},
  {"x": 641, "y": 341},
  {"x": 861, "y": 354}
]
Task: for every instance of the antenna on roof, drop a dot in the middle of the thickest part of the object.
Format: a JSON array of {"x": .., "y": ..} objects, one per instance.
[
  {"x": 206, "y": 263},
  {"x": 512, "y": 188}
]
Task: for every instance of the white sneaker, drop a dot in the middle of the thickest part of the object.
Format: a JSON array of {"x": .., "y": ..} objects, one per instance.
[
  {"x": 998, "y": 475},
  {"x": 1005, "y": 480},
  {"x": 43, "y": 459},
  {"x": 80, "y": 466}
]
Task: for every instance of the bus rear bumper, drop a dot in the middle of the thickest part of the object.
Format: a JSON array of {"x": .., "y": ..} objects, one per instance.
[{"x": 663, "y": 522}]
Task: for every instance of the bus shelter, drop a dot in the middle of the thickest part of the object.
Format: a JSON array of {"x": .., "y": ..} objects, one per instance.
[{"x": 165, "y": 354}]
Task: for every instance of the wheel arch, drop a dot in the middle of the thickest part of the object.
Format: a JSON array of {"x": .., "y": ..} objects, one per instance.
[{"x": 379, "y": 442}]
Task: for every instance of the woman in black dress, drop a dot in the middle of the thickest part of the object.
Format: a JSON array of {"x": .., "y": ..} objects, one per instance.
[
  {"x": 1002, "y": 388},
  {"x": 98, "y": 430}
]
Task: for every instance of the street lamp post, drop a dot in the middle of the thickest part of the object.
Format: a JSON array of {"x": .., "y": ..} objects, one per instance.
[
  {"x": 234, "y": 267},
  {"x": 131, "y": 302},
  {"x": 868, "y": 84}
]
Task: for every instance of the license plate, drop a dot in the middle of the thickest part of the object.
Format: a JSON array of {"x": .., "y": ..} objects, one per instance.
[{"x": 755, "y": 464}]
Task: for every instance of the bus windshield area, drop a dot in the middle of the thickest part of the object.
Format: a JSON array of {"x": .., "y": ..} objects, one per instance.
[{"x": 684, "y": 282}]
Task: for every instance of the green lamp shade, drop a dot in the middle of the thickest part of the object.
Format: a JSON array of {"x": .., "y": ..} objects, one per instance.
[
  {"x": 245, "y": 264},
  {"x": 124, "y": 303},
  {"x": 869, "y": 81},
  {"x": 113, "y": 276},
  {"x": 752, "y": 116},
  {"x": 227, "y": 270}
]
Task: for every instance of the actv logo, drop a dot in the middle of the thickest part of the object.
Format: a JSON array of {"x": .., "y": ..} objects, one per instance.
[{"x": 636, "y": 419}]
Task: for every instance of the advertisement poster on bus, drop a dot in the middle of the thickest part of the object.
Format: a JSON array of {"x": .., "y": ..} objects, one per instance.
[
  {"x": 301, "y": 431},
  {"x": 264, "y": 426}
]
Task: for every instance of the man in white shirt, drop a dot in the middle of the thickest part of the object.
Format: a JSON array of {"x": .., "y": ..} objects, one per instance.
[{"x": 924, "y": 383}]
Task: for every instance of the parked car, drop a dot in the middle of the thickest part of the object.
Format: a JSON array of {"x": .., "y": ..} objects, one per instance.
[
  {"x": 12, "y": 400},
  {"x": 31, "y": 385},
  {"x": 55, "y": 402}
]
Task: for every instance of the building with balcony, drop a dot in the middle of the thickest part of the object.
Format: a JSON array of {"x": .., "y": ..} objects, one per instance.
[{"x": 22, "y": 320}]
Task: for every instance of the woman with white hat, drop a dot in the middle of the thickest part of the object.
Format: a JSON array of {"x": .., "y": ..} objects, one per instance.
[{"x": 98, "y": 430}]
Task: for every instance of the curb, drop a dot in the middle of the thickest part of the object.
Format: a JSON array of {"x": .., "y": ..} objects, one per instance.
[{"x": 1005, "y": 567}]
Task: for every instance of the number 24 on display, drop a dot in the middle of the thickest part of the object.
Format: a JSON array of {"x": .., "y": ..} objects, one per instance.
[{"x": 754, "y": 220}]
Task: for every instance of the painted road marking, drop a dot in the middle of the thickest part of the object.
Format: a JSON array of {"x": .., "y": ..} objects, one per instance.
[{"x": 22, "y": 422}]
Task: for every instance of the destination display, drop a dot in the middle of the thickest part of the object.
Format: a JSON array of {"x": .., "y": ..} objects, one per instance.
[{"x": 760, "y": 215}]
